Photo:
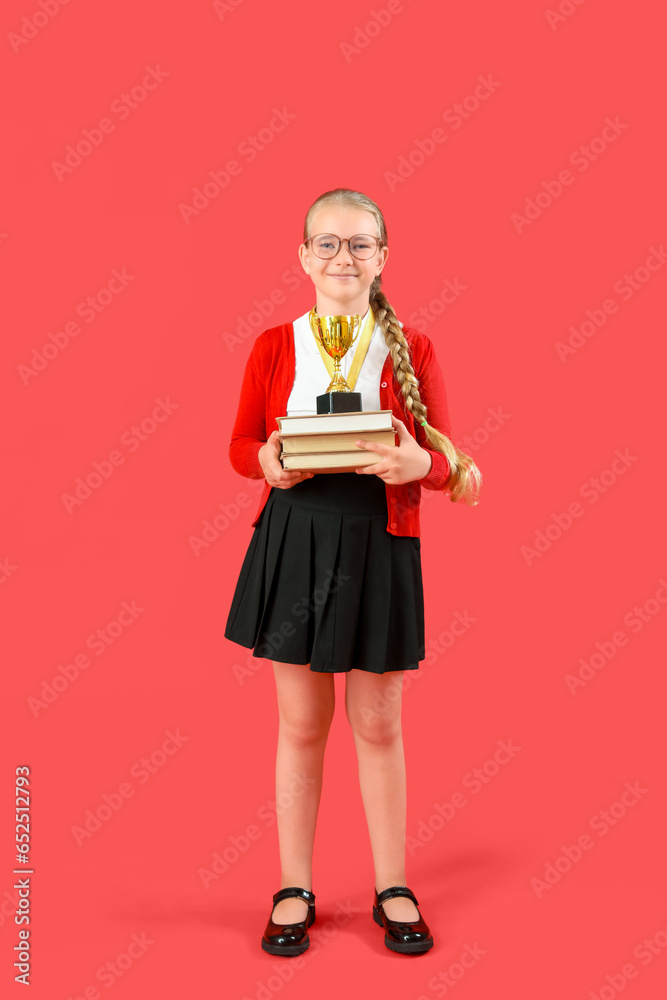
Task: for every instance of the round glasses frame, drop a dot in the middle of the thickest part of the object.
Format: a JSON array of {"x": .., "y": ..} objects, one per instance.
[{"x": 379, "y": 243}]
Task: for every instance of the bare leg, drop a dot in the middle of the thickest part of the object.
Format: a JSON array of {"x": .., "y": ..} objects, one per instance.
[
  {"x": 373, "y": 706},
  {"x": 306, "y": 701}
]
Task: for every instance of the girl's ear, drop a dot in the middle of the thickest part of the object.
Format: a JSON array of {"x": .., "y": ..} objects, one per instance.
[{"x": 303, "y": 255}]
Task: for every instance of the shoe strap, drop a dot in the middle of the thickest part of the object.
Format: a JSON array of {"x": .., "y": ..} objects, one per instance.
[
  {"x": 294, "y": 890},
  {"x": 395, "y": 890}
]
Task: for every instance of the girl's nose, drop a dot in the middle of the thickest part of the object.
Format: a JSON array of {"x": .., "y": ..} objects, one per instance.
[{"x": 344, "y": 252}]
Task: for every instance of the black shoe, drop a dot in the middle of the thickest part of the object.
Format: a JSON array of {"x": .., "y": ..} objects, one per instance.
[
  {"x": 410, "y": 938},
  {"x": 289, "y": 939}
]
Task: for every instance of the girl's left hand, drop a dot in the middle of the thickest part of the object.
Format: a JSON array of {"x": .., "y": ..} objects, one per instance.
[{"x": 405, "y": 462}]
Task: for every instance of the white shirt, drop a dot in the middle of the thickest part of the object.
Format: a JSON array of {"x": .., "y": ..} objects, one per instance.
[{"x": 312, "y": 377}]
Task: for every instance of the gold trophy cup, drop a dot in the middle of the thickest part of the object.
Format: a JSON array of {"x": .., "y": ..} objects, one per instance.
[{"x": 336, "y": 334}]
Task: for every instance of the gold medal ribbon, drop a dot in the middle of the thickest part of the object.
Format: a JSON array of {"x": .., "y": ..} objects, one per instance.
[{"x": 359, "y": 354}]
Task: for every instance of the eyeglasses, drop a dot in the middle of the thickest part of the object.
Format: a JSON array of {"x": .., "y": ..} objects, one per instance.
[{"x": 326, "y": 245}]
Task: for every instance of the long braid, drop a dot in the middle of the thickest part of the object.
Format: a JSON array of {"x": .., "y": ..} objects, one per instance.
[{"x": 465, "y": 479}]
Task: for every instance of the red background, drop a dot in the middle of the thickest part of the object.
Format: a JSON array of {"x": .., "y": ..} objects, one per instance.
[{"x": 165, "y": 336}]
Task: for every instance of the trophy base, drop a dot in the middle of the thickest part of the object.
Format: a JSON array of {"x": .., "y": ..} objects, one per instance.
[{"x": 339, "y": 402}]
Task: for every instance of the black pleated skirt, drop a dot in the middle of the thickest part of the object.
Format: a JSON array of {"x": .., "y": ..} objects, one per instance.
[{"x": 324, "y": 583}]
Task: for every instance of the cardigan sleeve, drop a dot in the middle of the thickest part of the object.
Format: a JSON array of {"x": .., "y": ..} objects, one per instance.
[
  {"x": 249, "y": 432},
  {"x": 434, "y": 396}
]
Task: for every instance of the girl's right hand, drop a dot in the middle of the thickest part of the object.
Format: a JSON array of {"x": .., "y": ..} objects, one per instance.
[{"x": 269, "y": 459}]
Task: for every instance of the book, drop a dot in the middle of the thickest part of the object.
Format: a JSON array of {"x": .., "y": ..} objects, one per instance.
[
  {"x": 334, "y": 461},
  {"x": 307, "y": 444},
  {"x": 354, "y": 422}
]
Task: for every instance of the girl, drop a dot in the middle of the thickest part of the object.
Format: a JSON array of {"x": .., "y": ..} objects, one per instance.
[{"x": 331, "y": 581}]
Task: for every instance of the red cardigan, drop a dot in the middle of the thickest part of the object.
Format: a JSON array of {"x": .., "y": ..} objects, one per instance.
[{"x": 267, "y": 385}]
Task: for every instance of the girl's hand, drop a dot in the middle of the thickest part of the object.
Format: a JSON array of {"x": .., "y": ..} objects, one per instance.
[
  {"x": 405, "y": 462},
  {"x": 275, "y": 475}
]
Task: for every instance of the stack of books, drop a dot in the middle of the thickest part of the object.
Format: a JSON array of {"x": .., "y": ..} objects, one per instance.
[{"x": 324, "y": 442}]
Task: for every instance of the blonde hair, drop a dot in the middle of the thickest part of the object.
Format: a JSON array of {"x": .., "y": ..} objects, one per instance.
[{"x": 464, "y": 479}]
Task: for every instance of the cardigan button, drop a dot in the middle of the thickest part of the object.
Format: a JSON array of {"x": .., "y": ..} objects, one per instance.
[
  {"x": 384, "y": 385},
  {"x": 393, "y": 499},
  {"x": 393, "y": 524}
]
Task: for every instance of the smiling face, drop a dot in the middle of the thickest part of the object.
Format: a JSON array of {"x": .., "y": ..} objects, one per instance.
[{"x": 343, "y": 281}]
